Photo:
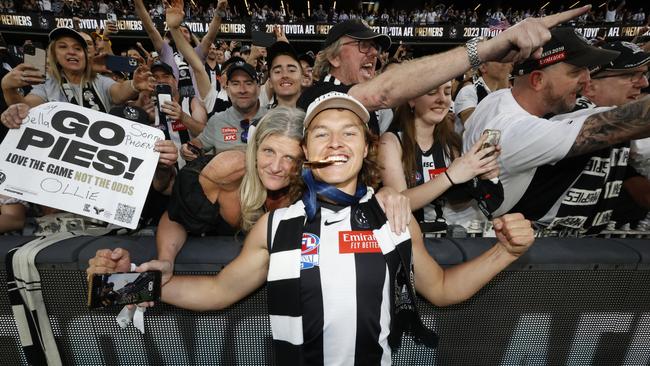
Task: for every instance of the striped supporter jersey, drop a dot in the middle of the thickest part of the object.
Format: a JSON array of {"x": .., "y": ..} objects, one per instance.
[{"x": 344, "y": 289}]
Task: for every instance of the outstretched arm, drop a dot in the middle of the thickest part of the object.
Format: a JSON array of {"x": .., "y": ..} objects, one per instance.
[
  {"x": 242, "y": 276},
  {"x": 213, "y": 29},
  {"x": 459, "y": 283},
  {"x": 148, "y": 25},
  {"x": 624, "y": 123},
  {"x": 519, "y": 42}
]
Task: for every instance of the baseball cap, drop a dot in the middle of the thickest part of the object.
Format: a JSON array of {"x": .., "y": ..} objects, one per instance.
[
  {"x": 335, "y": 100},
  {"x": 308, "y": 58},
  {"x": 281, "y": 48},
  {"x": 566, "y": 45},
  {"x": 161, "y": 65},
  {"x": 631, "y": 56},
  {"x": 67, "y": 32},
  {"x": 241, "y": 65},
  {"x": 245, "y": 49},
  {"x": 358, "y": 30}
]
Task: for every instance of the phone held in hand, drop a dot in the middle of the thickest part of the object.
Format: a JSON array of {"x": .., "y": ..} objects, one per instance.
[
  {"x": 121, "y": 63},
  {"x": 35, "y": 56},
  {"x": 163, "y": 94},
  {"x": 123, "y": 288},
  {"x": 492, "y": 140}
]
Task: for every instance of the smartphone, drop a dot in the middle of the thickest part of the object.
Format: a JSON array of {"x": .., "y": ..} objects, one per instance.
[
  {"x": 123, "y": 288},
  {"x": 195, "y": 149},
  {"x": 121, "y": 63},
  {"x": 262, "y": 39},
  {"x": 164, "y": 94},
  {"x": 35, "y": 56},
  {"x": 492, "y": 140}
]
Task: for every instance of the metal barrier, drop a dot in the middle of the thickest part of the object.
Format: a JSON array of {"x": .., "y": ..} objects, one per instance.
[{"x": 566, "y": 301}]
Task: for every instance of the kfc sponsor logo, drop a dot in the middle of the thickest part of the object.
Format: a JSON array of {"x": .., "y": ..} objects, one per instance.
[
  {"x": 229, "y": 138},
  {"x": 358, "y": 242}
]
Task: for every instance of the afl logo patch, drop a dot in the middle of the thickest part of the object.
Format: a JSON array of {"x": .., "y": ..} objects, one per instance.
[{"x": 309, "y": 251}]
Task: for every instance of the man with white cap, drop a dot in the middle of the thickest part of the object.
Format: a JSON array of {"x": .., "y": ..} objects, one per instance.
[{"x": 339, "y": 282}]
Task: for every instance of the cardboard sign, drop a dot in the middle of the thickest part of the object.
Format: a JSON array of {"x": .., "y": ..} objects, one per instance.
[{"x": 79, "y": 160}]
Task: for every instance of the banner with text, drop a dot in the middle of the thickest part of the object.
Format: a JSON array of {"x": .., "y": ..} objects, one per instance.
[
  {"x": 305, "y": 31},
  {"x": 82, "y": 161}
]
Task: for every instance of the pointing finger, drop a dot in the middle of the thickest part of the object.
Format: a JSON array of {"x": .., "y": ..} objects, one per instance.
[{"x": 555, "y": 19}]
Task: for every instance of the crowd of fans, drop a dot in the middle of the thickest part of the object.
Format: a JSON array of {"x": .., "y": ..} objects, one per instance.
[
  {"x": 433, "y": 13},
  {"x": 203, "y": 94}
]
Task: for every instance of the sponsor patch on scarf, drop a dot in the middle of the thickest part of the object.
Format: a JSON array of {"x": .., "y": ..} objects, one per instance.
[
  {"x": 358, "y": 242},
  {"x": 309, "y": 251}
]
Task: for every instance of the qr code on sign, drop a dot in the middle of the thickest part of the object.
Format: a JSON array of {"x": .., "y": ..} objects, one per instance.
[{"x": 124, "y": 213}]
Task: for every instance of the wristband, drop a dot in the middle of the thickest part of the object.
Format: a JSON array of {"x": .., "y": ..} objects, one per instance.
[{"x": 448, "y": 177}]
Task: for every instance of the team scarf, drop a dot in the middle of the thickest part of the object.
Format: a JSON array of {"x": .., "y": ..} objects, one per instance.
[
  {"x": 482, "y": 89},
  {"x": 593, "y": 184},
  {"x": 588, "y": 205},
  {"x": 283, "y": 280},
  {"x": 90, "y": 97},
  {"x": 185, "y": 86}
]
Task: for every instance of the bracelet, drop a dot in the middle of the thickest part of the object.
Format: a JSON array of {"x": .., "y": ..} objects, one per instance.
[
  {"x": 448, "y": 177},
  {"x": 472, "y": 52},
  {"x": 131, "y": 84}
]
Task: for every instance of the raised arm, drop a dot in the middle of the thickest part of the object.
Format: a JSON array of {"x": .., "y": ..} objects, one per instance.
[
  {"x": 174, "y": 16},
  {"x": 388, "y": 90},
  {"x": 148, "y": 25},
  {"x": 213, "y": 29},
  {"x": 625, "y": 123},
  {"x": 459, "y": 283}
]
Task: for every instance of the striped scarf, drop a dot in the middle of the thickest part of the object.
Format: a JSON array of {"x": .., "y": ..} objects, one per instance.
[{"x": 283, "y": 281}]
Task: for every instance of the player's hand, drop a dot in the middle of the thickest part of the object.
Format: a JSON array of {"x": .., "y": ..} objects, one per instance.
[
  {"x": 109, "y": 261},
  {"x": 514, "y": 233}
]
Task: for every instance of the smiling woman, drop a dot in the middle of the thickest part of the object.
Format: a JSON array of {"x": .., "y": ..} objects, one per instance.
[{"x": 71, "y": 77}]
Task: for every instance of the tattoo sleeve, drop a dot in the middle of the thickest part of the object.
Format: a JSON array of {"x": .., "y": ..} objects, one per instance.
[{"x": 620, "y": 124}]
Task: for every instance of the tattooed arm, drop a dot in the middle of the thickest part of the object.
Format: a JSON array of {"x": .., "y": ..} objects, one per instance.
[{"x": 631, "y": 121}]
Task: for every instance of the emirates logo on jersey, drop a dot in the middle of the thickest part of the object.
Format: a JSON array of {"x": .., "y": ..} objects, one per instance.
[
  {"x": 309, "y": 251},
  {"x": 358, "y": 242}
]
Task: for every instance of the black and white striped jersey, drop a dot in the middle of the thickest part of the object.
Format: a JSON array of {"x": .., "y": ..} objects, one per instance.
[{"x": 344, "y": 289}]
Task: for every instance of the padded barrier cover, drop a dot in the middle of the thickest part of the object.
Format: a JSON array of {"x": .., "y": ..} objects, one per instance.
[{"x": 566, "y": 301}]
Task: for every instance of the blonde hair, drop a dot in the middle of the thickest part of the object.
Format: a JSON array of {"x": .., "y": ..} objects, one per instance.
[
  {"x": 282, "y": 121},
  {"x": 54, "y": 69},
  {"x": 322, "y": 65}
]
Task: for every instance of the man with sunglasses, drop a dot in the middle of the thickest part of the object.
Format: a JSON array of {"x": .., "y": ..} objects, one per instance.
[{"x": 228, "y": 130}]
